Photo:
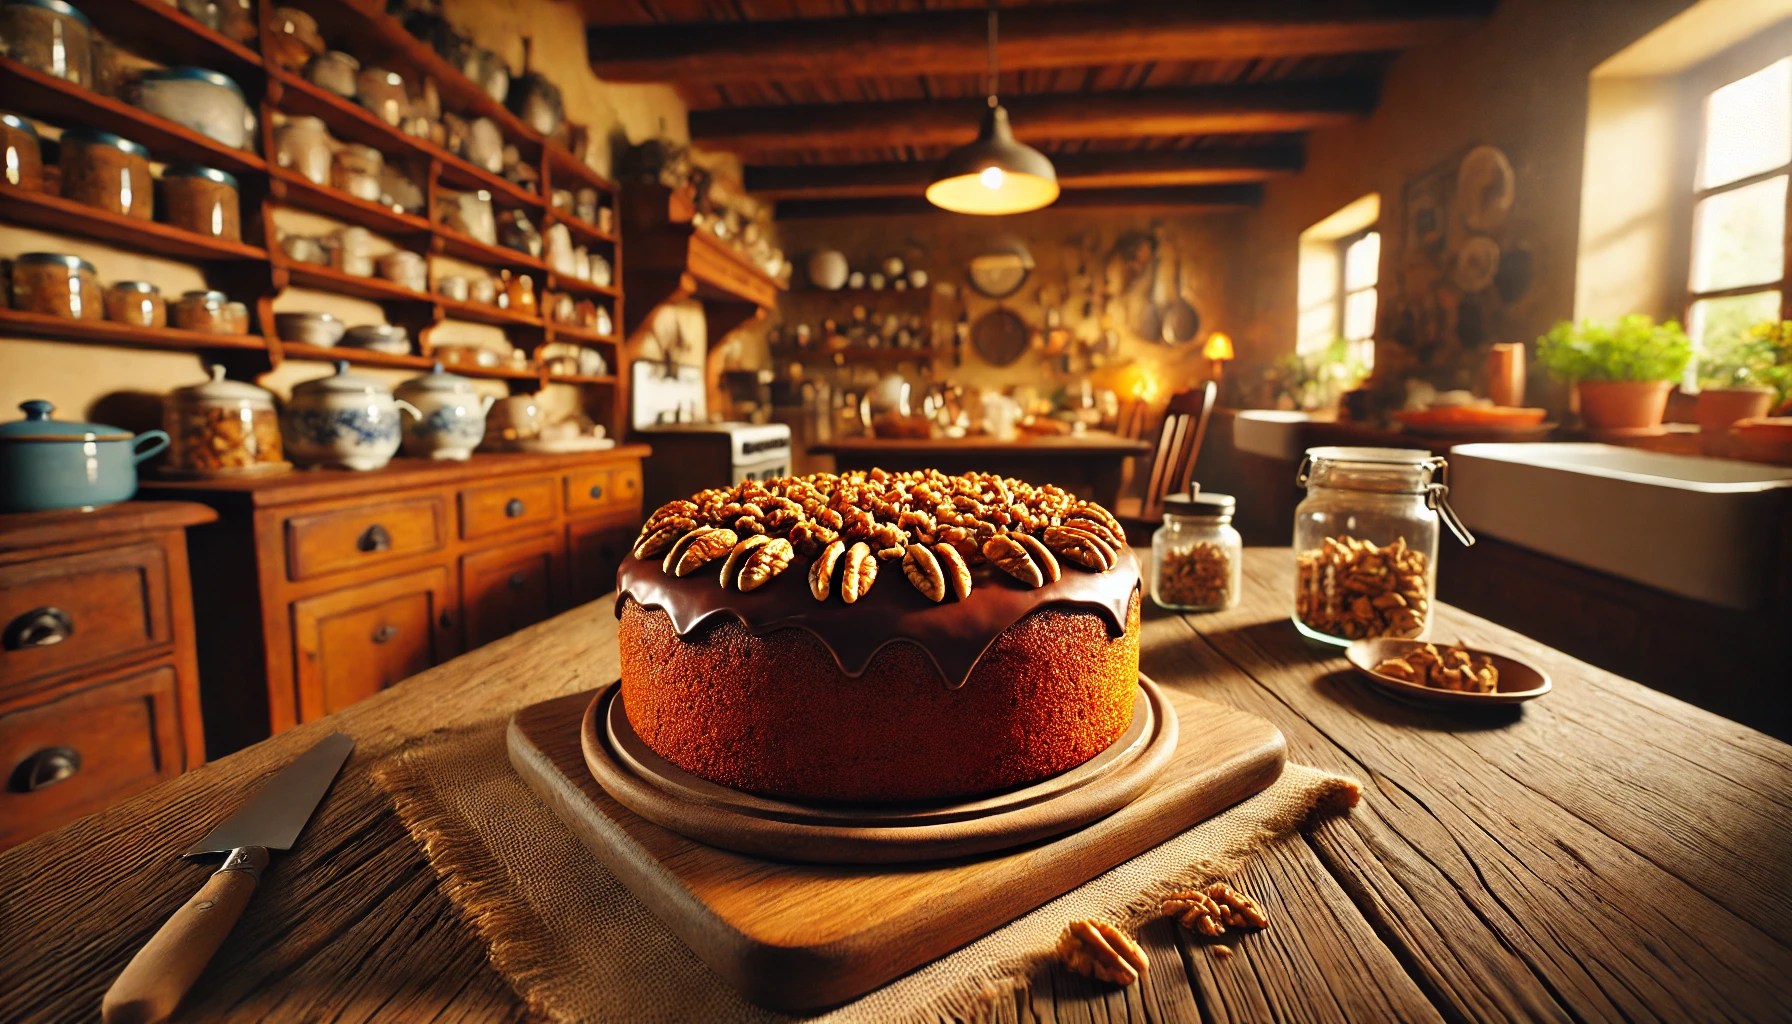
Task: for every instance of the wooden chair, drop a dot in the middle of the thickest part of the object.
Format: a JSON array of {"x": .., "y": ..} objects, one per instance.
[{"x": 1173, "y": 463}]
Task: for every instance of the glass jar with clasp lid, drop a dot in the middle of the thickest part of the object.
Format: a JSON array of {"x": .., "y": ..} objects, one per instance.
[
  {"x": 1365, "y": 542},
  {"x": 1196, "y": 555}
]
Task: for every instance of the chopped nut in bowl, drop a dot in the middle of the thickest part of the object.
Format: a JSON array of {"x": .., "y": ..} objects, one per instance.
[{"x": 1446, "y": 674}]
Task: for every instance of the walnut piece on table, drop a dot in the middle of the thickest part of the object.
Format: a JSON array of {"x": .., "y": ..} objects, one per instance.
[
  {"x": 1100, "y": 950},
  {"x": 1211, "y": 910}
]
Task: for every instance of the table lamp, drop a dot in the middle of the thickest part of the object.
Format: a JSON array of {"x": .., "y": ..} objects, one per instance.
[{"x": 1217, "y": 350}]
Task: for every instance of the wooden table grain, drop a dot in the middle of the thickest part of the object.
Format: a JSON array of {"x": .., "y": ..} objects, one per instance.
[{"x": 1603, "y": 853}]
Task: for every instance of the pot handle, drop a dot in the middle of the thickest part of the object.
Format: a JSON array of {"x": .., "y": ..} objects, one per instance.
[
  {"x": 408, "y": 407},
  {"x": 485, "y": 405},
  {"x": 159, "y": 441}
]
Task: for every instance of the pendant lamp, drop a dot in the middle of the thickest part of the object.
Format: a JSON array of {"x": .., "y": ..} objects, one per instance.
[{"x": 995, "y": 174}]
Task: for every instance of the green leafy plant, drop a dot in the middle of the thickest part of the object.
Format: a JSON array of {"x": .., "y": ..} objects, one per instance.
[
  {"x": 1761, "y": 355},
  {"x": 1632, "y": 348},
  {"x": 1316, "y": 379}
]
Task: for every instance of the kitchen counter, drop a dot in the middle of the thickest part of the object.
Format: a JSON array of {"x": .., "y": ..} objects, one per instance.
[
  {"x": 1091, "y": 464},
  {"x": 1604, "y": 852}
]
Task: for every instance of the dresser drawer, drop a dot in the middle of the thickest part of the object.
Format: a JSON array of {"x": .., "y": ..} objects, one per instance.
[
  {"x": 86, "y": 750},
  {"x": 510, "y": 505},
  {"x": 320, "y": 543},
  {"x": 506, "y": 588},
  {"x": 352, "y": 643},
  {"x": 69, "y": 612},
  {"x": 625, "y": 484},
  {"x": 589, "y": 491}
]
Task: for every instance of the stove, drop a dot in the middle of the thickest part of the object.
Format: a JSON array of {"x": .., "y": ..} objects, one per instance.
[{"x": 669, "y": 411}]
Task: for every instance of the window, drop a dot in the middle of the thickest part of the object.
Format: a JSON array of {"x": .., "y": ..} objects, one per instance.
[
  {"x": 1739, "y": 207},
  {"x": 1360, "y": 257}
]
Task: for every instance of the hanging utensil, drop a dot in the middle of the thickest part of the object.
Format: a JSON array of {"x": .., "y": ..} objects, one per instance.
[{"x": 1180, "y": 321}]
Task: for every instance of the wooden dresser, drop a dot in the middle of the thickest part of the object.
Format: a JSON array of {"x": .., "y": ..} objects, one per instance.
[
  {"x": 99, "y": 686},
  {"x": 316, "y": 589}
]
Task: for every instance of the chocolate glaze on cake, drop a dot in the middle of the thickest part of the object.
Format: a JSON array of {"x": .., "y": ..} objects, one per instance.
[{"x": 954, "y": 634}]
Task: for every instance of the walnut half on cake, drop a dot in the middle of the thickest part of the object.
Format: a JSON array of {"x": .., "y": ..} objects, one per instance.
[{"x": 879, "y": 636}]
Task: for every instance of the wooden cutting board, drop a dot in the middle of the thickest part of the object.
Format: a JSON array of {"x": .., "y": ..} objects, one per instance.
[{"x": 804, "y": 936}]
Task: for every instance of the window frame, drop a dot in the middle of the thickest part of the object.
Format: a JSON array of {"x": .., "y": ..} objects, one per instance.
[
  {"x": 1363, "y": 347},
  {"x": 1698, "y": 194}
]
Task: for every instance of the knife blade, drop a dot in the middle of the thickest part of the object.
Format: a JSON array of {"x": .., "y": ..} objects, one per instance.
[{"x": 153, "y": 983}]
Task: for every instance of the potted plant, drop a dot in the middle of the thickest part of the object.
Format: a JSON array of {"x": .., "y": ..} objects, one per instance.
[{"x": 1623, "y": 369}]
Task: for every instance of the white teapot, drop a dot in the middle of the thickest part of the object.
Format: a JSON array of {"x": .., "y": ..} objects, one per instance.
[
  {"x": 447, "y": 415},
  {"x": 343, "y": 420}
]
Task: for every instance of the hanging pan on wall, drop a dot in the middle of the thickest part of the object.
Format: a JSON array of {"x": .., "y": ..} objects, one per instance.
[
  {"x": 1180, "y": 321},
  {"x": 999, "y": 336}
]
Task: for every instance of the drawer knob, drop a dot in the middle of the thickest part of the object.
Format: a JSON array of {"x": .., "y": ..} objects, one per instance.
[
  {"x": 513, "y": 507},
  {"x": 39, "y": 627},
  {"x": 597, "y": 491},
  {"x": 384, "y": 634},
  {"x": 44, "y": 769},
  {"x": 375, "y": 538},
  {"x": 518, "y": 580}
]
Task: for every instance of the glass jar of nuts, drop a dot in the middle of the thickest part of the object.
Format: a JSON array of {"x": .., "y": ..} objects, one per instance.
[
  {"x": 1196, "y": 555},
  {"x": 1365, "y": 542},
  {"x": 222, "y": 428}
]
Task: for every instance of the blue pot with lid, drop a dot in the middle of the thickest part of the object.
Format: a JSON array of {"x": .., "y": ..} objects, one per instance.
[{"x": 48, "y": 464}]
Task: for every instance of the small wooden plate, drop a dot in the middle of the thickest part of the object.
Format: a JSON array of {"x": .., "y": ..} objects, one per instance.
[
  {"x": 1518, "y": 683},
  {"x": 839, "y": 834}
]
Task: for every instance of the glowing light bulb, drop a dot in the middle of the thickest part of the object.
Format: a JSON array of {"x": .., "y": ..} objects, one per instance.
[{"x": 991, "y": 177}]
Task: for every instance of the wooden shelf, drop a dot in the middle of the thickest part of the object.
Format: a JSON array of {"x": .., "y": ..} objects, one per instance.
[
  {"x": 862, "y": 294},
  {"x": 530, "y": 372},
  {"x": 580, "y": 335},
  {"x": 557, "y": 282},
  {"x": 107, "y": 332},
  {"x": 173, "y": 38},
  {"x": 582, "y": 233},
  {"x": 345, "y": 118},
  {"x": 329, "y": 279},
  {"x": 479, "y": 312},
  {"x": 291, "y": 188},
  {"x": 840, "y": 357},
  {"x": 450, "y": 242},
  {"x": 581, "y": 378},
  {"x": 54, "y": 213},
  {"x": 355, "y": 356},
  {"x": 560, "y": 161},
  {"x": 462, "y": 174},
  {"x": 35, "y": 94}
]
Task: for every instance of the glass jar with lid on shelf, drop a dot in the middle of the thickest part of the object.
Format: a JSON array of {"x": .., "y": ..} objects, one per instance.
[
  {"x": 1365, "y": 542},
  {"x": 1196, "y": 555}
]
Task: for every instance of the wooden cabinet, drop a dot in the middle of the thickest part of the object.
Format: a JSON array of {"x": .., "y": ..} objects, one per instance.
[
  {"x": 99, "y": 684},
  {"x": 326, "y": 586},
  {"x": 353, "y": 643}
]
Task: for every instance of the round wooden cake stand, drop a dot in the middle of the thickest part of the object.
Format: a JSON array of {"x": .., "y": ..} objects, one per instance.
[{"x": 828, "y": 833}]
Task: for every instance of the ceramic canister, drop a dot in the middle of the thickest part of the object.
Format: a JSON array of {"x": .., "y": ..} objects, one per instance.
[
  {"x": 449, "y": 417},
  {"x": 343, "y": 420},
  {"x": 205, "y": 101},
  {"x": 50, "y": 464}
]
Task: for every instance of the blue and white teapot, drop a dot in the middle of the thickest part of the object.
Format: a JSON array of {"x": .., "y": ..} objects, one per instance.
[
  {"x": 343, "y": 420},
  {"x": 447, "y": 415}
]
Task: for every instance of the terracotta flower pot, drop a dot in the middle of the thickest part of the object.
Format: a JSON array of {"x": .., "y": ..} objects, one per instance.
[
  {"x": 1720, "y": 407},
  {"x": 1623, "y": 404}
]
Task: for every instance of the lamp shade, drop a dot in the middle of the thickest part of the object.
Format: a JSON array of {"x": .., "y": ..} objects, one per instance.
[
  {"x": 995, "y": 174},
  {"x": 1218, "y": 347}
]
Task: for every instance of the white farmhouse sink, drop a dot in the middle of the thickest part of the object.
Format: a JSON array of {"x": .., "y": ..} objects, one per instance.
[
  {"x": 1708, "y": 529},
  {"x": 1270, "y": 432}
]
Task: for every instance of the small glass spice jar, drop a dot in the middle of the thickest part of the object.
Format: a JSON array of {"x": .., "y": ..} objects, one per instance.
[
  {"x": 135, "y": 302},
  {"x": 21, "y": 154},
  {"x": 205, "y": 311},
  {"x": 56, "y": 285},
  {"x": 1365, "y": 542},
  {"x": 222, "y": 428},
  {"x": 202, "y": 200},
  {"x": 50, "y": 36},
  {"x": 1196, "y": 555},
  {"x": 108, "y": 172}
]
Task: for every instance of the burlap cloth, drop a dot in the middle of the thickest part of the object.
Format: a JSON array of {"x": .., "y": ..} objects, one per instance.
[{"x": 577, "y": 946}]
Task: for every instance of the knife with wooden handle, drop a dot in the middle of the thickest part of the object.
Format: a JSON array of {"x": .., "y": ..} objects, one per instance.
[{"x": 153, "y": 983}]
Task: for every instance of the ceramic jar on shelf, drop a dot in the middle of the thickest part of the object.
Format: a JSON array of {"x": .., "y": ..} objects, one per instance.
[
  {"x": 357, "y": 169},
  {"x": 1365, "y": 542},
  {"x": 449, "y": 417},
  {"x": 205, "y": 101},
  {"x": 222, "y": 428},
  {"x": 49, "y": 36},
  {"x": 406, "y": 269},
  {"x": 295, "y": 38},
  {"x": 382, "y": 91},
  {"x": 210, "y": 312},
  {"x": 21, "y": 153},
  {"x": 56, "y": 284},
  {"x": 334, "y": 71},
  {"x": 107, "y": 172},
  {"x": 203, "y": 200},
  {"x": 138, "y": 303},
  {"x": 304, "y": 145},
  {"x": 343, "y": 420},
  {"x": 319, "y": 329}
]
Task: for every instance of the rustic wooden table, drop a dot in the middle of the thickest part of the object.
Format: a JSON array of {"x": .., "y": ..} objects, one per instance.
[{"x": 1603, "y": 853}]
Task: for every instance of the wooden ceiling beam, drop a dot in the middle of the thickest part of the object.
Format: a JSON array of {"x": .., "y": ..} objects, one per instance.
[
  {"x": 1044, "y": 36},
  {"x": 1040, "y": 117},
  {"x": 1133, "y": 169},
  {"x": 1179, "y": 198}
]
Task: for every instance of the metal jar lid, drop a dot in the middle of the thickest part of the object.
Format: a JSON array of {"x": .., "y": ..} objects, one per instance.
[
  {"x": 196, "y": 171},
  {"x": 189, "y": 74},
  {"x": 221, "y": 391},
  {"x": 1201, "y": 504},
  {"x": 47, "y": 259},
  {"x": 18, "y": 123},
  {"x": 95, "y": 137},
  {"x": 58, "y": 6}
]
